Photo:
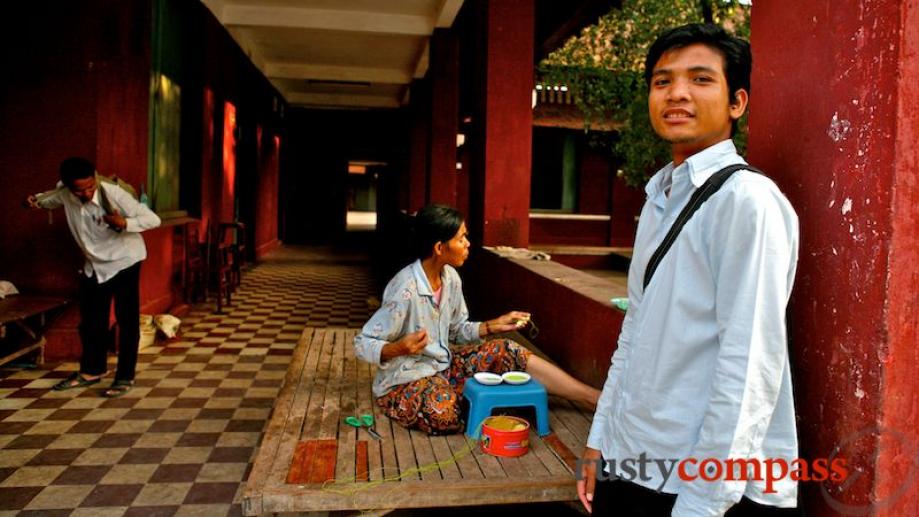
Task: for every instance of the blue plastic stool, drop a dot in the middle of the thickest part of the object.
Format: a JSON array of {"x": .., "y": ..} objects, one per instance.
[{"x": 483, "y": 399}]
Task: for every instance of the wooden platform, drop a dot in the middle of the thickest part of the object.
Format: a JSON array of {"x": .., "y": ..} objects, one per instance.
[{"x": 309, "y": 460}]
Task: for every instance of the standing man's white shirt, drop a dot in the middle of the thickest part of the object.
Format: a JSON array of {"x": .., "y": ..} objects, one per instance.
[
  {"x": 701, "y": 369},
  {"x": 107, "y": 252}
]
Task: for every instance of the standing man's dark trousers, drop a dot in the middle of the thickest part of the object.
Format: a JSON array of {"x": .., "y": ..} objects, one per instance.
[
  {"x": 95, "y": 306},
  {"x": 620, "y": 498}
]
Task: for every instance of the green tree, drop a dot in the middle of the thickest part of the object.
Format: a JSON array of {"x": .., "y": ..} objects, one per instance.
[{"x": 603, "y": 67}]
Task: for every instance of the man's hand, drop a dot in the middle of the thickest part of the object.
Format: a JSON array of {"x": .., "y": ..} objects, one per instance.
[
  {"x": 116, "y": 221},
  {"x": 413, "y": 343},
  {"x": 31, "y": 202},
  {"x": 508, "y": 322},
  {"x": 587, "y": 477}
]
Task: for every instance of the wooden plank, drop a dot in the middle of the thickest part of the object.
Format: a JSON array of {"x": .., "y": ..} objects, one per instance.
[
  {"x": 385, "y": 427},
  {"x": 444, "y": 458},
  {"x": 531, "y": 462},
  {"x": 462, "y": 449},
  {"x": 319, "y": 380},
  {"x": 301, "y": 388},
  {"x": 572, "y": 417},
  {"x": 300, "y": 465},
  {"x": 552, "y": 463},
  {"x": 322, "y": 468},
  {"x": 347, "y": 435},
  {"x": 566, "y": 438},
  {"x": 424, "y": 453},
  {"x": 361, "y": 467},
  {"x": 331, "y": 407},
  {"x": 418, "y": 494},
  {"x": 367, "y": 405},
  {"x": 514, "y": 467},
  {"x": 490, "y": 466},
  {"x": 562, "y": 451},
  {"x": 268, "y": 453},
  {"x": 405, "y": 453}
]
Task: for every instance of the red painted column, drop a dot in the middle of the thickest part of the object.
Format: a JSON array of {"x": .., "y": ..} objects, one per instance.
[
  {"x": 420, "y": 120},
  {"x": 503, "y": 120},
  {"x": 444, "y": 74},
  {"x": 835, "y": 120}
]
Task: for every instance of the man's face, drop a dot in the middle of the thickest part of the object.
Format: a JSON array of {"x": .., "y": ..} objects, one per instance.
[
  {"x": 688, "y": 100},
  {"x": 83, "y": 188}
]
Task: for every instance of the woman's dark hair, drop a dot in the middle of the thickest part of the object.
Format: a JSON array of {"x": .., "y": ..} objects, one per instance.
[
  {"x": 738, "y": 60},
  {"x": 433, "y": 224},
  {"x": 76, "y": 168}
]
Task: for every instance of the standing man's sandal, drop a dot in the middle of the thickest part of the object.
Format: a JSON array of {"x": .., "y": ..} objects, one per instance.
[
  {"x": 117, "y": 389},
  {"x": 75, "y": 381}
]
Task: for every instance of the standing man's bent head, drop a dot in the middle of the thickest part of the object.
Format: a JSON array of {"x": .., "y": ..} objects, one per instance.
[
  {"x": 79, "y": 176},
  {"x": 698, "y": 77}
]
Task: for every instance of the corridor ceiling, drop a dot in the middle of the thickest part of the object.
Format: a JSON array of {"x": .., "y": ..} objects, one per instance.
[{"x": 337, "y": 53}]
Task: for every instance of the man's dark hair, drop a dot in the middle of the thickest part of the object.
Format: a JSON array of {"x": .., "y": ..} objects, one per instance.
[
  {"x": 76, "y": 168},
  {"x": 738, "y": 61},
  {"x": 433, "y": 224}
]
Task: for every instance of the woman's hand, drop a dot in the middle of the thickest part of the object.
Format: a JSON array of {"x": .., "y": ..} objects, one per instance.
[
  {"x": 409, "y": 344},
  {"x": 506, "y": 323}
]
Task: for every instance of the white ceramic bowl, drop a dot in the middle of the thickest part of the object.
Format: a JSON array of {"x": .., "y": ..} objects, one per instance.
[
  {"x": 516, "y": 377},
  {"x": 487, "y": 378}
]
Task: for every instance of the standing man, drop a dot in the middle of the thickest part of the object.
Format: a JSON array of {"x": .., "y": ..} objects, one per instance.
[
  {"x": 105, "y": 222},
  {"x": 701, "y": 369}
]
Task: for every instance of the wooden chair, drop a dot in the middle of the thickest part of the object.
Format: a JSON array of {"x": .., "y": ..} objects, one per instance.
[
  {"x": 219, "y": 267},
  {"x": 194, "y": 278},
  {"x": 234, "y": 235}
]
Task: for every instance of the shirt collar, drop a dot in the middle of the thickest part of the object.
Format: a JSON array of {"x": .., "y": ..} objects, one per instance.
[
  {"x": 699, "y": 166},
  {"x": 421, "y": 279},
  {"x": 707, "y": 162},
  {"x": 96, "y": 200}
]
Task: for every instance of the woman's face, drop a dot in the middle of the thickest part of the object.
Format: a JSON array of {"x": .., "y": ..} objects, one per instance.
[{"x": 456, "y": 250}]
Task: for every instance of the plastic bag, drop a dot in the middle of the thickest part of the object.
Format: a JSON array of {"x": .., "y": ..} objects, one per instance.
[{"x": 168, "y": 324}]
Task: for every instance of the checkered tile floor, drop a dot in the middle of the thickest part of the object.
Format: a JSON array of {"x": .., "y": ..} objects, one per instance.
[{"x": 182, "y": 441}]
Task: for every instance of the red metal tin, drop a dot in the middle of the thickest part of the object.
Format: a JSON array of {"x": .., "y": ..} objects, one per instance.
[{"x": 505, "y": 443}]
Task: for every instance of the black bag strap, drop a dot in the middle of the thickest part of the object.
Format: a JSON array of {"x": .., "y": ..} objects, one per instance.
[{"x": 711, "y": 185}]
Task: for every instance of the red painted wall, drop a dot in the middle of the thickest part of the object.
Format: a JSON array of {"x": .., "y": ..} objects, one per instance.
[
  {"x": 569, "y": 232},
  {"x": 266, "y": 222},
  {"x": 561, "y": 301},
  {"x": 83, "y": 89},
  {"x": 502, "y": 122},
  {"x": 444, "y": 76},
  {"x": 901, "y": 411},
  {"x": 835, "y": 123},
  {"x": 627, "y": 202},
  {"x": 594, "y": 175},
  {"x": 74, "y": 92}
]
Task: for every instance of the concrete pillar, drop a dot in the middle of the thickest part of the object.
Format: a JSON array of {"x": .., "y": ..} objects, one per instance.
[
  {"x": 835, "y": 121},
  {"x": 444, "y": 74},
  {"x": 499, "y": 195}
]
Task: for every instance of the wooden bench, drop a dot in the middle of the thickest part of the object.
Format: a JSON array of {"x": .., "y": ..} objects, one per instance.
[
  {"x": 29, "y": 314},
  {"x": 309, "y": 460}
]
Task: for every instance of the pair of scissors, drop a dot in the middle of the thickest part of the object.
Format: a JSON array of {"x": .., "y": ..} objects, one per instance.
[{"x": 365, "y": 421}]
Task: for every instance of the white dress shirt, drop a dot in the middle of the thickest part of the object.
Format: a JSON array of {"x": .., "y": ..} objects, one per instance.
[
  {"x": 107, "y": 252},
  {"x": 701, "y": 369}
]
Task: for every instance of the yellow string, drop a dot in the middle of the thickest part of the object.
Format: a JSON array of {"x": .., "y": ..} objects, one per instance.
[{"x": 354, "y": 486}]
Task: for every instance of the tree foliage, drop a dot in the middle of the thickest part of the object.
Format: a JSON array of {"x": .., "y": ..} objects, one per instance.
[{"x": 604, "y": 65}]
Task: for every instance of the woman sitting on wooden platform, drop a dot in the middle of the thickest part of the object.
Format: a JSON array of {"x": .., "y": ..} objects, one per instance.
[{"x": 411, "y": 337}]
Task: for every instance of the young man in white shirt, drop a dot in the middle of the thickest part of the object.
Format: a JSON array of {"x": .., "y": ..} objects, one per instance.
[
  {"x": 105, "y": 222},
  {"x": 701, "y": 371}
]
